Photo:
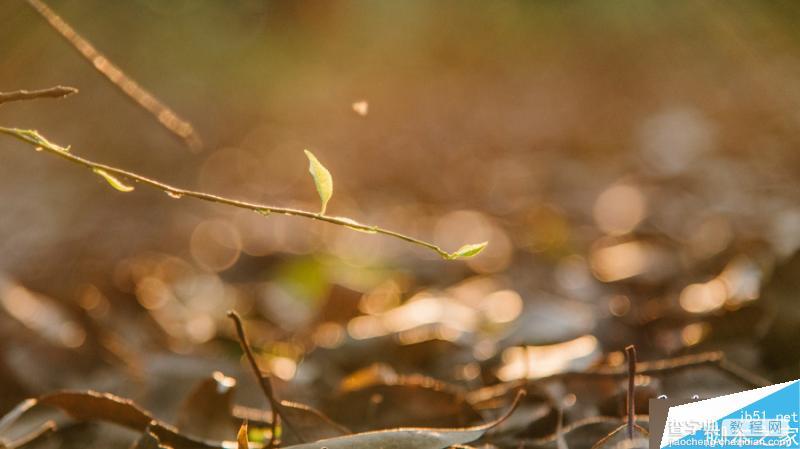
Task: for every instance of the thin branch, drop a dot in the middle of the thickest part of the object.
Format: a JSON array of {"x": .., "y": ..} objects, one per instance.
[
  {"x": 630, "y": 352},
  {"x": 39, "y": 142},
  {"x": 263, "y": 380},
  {"x": 51, "y": 92},
  {"x": 166, "y": 116}
]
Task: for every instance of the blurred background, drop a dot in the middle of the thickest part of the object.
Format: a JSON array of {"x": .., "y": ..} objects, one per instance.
[{"x": 633, "y": 165}]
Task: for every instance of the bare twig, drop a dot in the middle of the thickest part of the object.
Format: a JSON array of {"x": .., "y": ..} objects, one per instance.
[
  {"x": 166, "y": 116},
  {"x": 51, "y": 92},
  {"x": 35, "y": 139},
  {"x": 630, "y": 352},
  {"x": 263, "y": 380},
  {"x": 604, "y": 442}
]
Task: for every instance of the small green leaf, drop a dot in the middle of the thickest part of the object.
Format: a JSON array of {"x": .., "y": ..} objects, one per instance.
[
  {"x": 114, "y": 182},
  {"x": 468, "y": 251},
  {"x": 322, "y": 179}
]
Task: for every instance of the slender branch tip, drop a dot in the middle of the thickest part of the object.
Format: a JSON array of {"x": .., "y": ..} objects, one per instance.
[{"x": 51, "y": 92}]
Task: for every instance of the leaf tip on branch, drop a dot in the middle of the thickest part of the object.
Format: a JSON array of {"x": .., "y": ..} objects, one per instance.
[
  {"x": 50, "y": 92},
  {"x": 65, "y": 91},
  {"x": 466, "y": 251}
]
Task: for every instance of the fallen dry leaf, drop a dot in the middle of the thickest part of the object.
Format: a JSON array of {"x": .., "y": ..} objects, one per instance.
[{"x": 410, "y": 438}]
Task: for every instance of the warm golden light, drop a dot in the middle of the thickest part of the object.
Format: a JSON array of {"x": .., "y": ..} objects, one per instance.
[
  {"x": 215, "y": 245},
  {"x": 694, "y": 333},
  {"x": 619, "y": 209},
  {"x": 329, "y": 335},
  {"x": 621, "y": 261},
  {"x": 705, "y": 297},
  {"x": 533, "y": 362},
  {"x": 503, "y": 306}
]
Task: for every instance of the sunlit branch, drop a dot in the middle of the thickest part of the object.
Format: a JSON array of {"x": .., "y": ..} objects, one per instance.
[
  {"x": 35, "y": 139},
  {"x": 166, "y": 116}
]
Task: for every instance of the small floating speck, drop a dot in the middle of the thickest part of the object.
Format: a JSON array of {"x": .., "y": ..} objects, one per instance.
[{"x": 361, "y": 108}]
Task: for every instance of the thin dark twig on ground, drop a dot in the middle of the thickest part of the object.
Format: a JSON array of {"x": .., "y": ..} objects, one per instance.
[
  {"x": 50, "y": 92},
  {"x": 166, "y": 116},
  {"x": 263, "y": 380},
  {"x": 630, "y": 352}
]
